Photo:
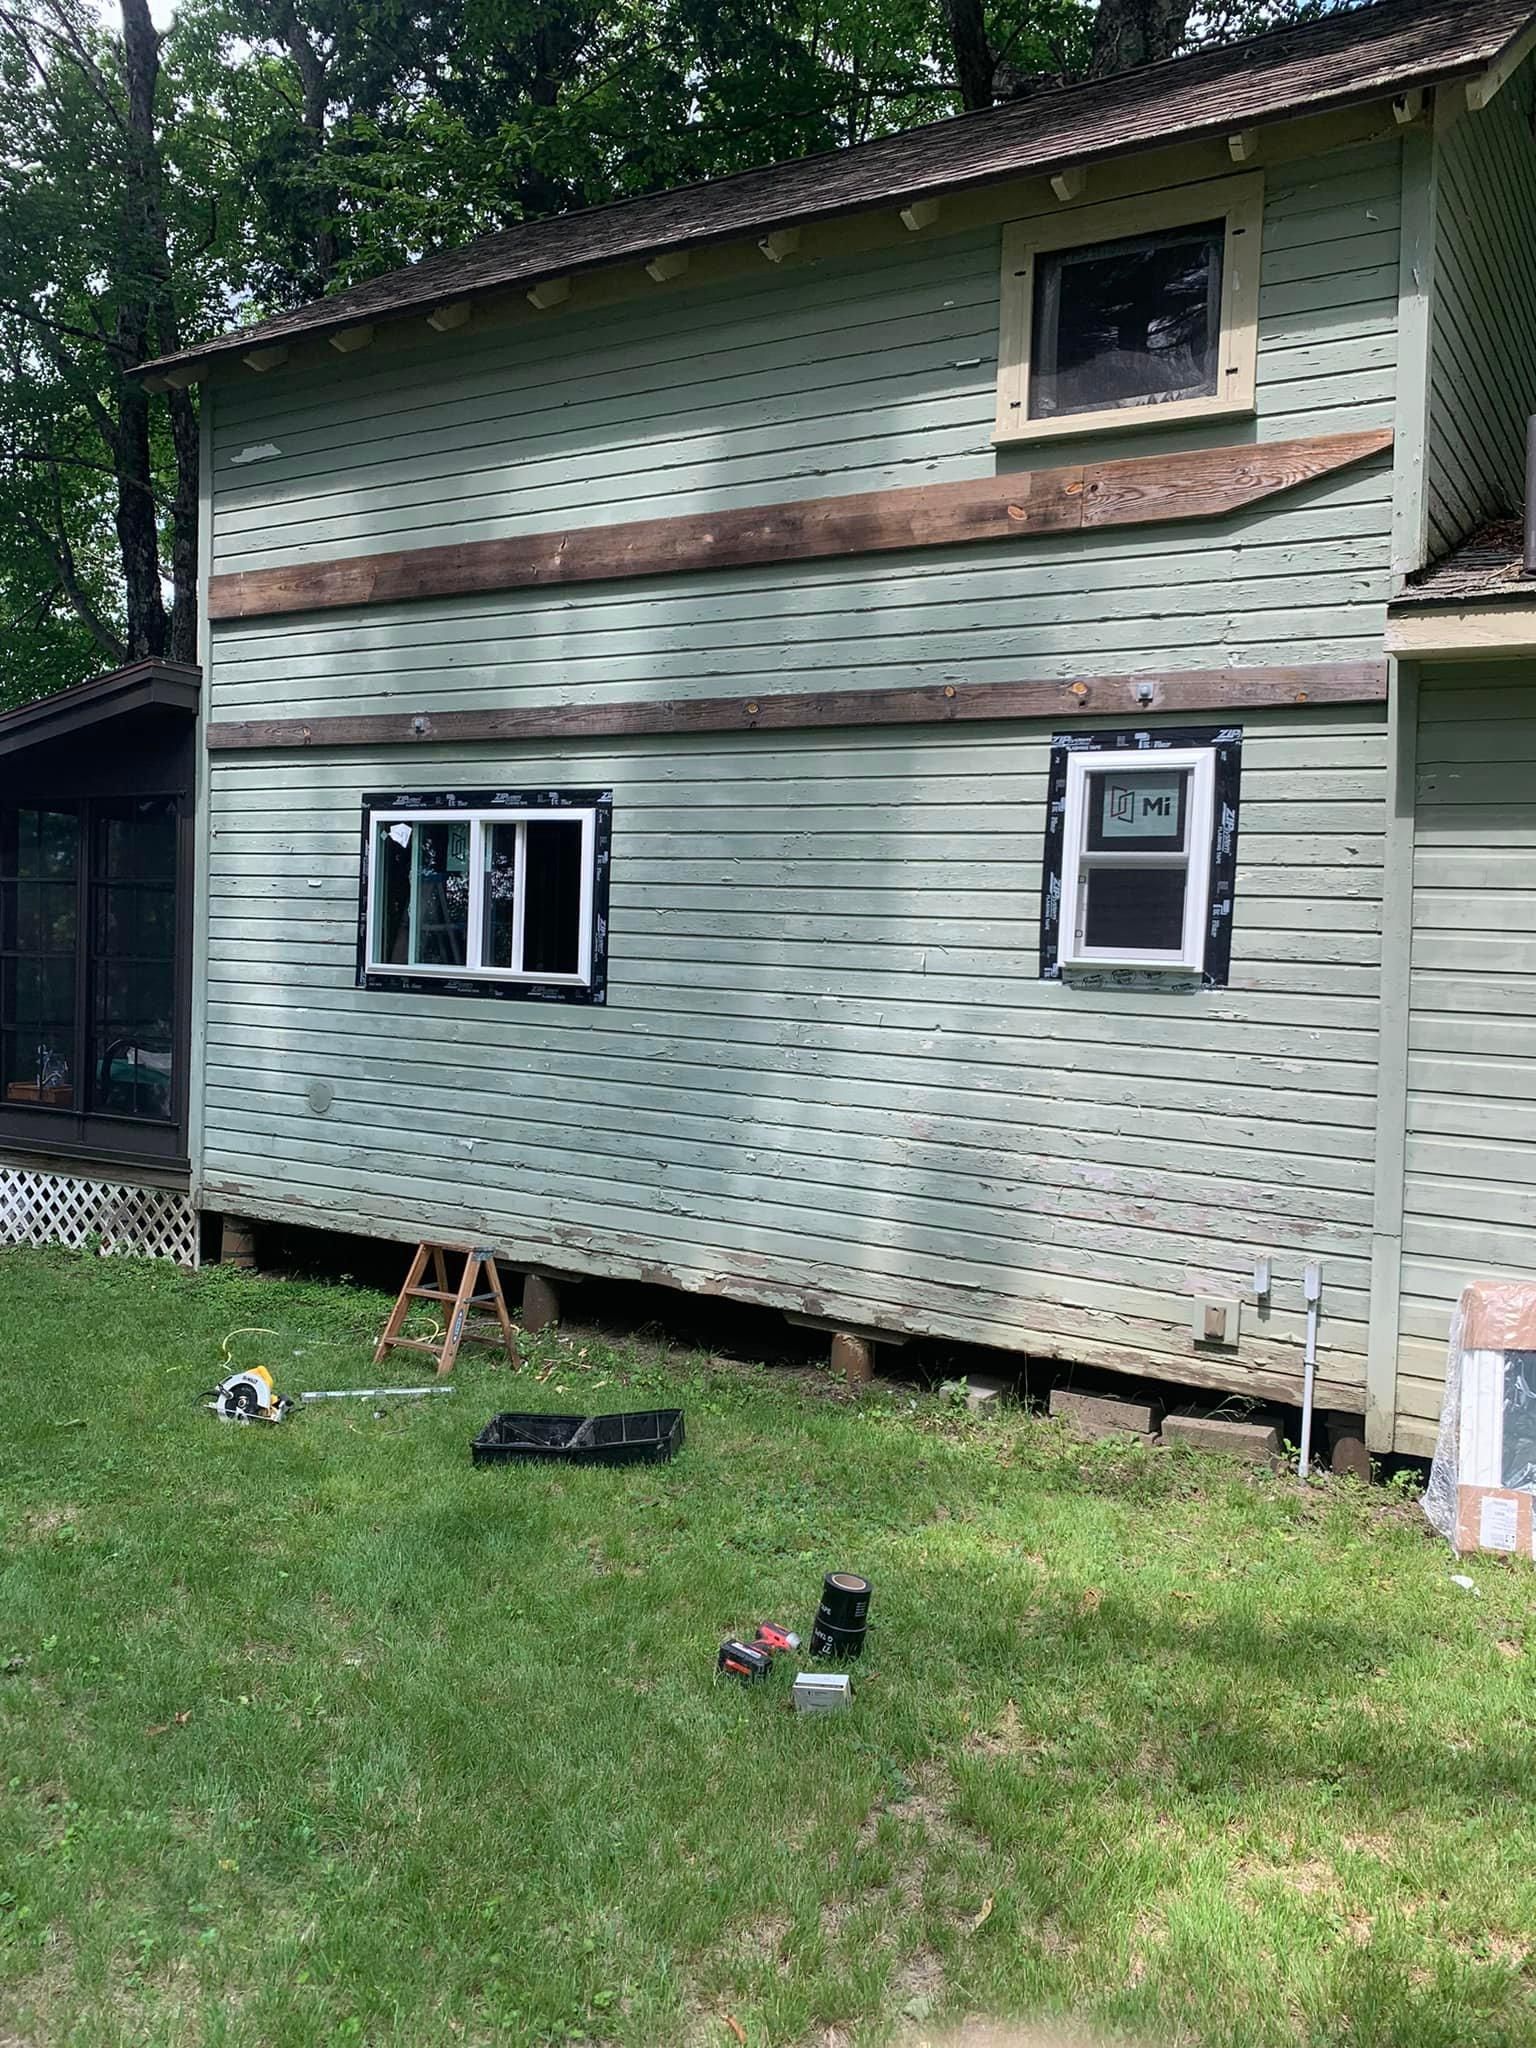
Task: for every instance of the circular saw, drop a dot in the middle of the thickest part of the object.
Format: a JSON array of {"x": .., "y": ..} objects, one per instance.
[{"x": 249, "y": 1397}]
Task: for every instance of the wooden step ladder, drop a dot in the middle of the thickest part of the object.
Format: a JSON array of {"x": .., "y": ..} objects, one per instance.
[{"x": 457, "y": 1328}]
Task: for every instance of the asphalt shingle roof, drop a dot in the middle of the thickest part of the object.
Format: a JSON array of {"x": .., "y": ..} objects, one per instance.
[{"x": 1339, "y": 59}]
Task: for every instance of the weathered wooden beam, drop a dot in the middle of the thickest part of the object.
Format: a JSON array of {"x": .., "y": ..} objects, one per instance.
[
  {"x": 922, "y": 213},
  {"x": 1220, "y": 690},
  {"x": 185, "y": 375},
  {"x": 1243, "y": 146},
  {"x": 348, "y": 340},
  {"x": 260, "y": 359},
  {"x": 1139, "y": 490},
  {"x": 780, "y": 243},
  {"x": 1070, "y": 184},
  {"x": 1407, "y": 107},
  {"x": 553, "y": 291}
]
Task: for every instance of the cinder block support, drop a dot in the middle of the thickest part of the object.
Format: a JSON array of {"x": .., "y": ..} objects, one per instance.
[
  {"x": 541, "y": 1303},
  {"x": 1346, "y": 1447},
  {"x": 853, "y": 1358},
  {"x": 1099, "y": 1415},
  {"x": 1258, "y": 1442},
  {"x": 237, "y": 1242}
]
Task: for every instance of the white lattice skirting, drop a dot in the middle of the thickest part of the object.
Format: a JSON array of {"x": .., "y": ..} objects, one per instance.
[{"x": 115, "y": 1216}]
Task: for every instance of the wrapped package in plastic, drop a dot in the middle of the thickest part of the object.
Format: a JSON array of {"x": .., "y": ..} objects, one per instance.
[{"x": 1482, "y": 1483}]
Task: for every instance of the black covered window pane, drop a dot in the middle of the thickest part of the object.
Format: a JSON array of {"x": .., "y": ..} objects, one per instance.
[
  {"x": 1135, "y": 909},
  {"x": 1126, "y": 323},
  {"x": 133, "y": 970},
  {"x": 37, "y": 1031},
  {"x": 39, "y": 930},
  {"x": 552, "y": 910}
]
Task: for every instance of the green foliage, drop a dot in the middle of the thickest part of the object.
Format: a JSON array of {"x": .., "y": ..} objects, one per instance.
[
  {"x": 319, "y": 1733},
  {"x": 295, "y": 146}
]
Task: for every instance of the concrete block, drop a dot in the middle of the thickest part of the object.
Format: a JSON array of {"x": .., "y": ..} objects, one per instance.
[
  {"x": 1098, "y": 1415},
  {"x": 985, "y": 1396},
  {"x": 1257, "y": 1442}
]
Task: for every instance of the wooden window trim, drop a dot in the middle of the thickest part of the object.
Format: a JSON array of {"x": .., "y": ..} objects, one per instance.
[{"x": 1238, "y": 200}]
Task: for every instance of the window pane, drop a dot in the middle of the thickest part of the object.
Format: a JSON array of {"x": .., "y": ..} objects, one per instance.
[
  {"x": 37, "y": 1031},
  {"x": 1135, "y": 909},
  {"x": 133, "y": 970},
  {"x": 39, "y": 918},
  {"x": 552, "y": 913},
  {"x": 422, "y": 894},
  {"x": 1137, "y": 810},
  {"x": 1125, "y": 323},
  {"x": 500, "y": 894}
]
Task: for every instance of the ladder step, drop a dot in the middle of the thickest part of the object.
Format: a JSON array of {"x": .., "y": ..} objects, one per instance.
[{"x": 437, "y": 1294}]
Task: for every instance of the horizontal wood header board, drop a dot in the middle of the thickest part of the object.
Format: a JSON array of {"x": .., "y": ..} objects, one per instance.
[
  {"x": 1222, "y": 690},
  {"x": 1139, "y": 490}
]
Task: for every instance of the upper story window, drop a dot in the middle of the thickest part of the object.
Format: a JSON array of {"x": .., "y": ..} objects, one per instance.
[
  {"x": 1131, "y": 311},
  {"x": 487, "y": 893},
  {"x": 1141, "y": 846}
]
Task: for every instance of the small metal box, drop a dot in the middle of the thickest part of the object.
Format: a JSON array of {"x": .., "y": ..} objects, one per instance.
[{"x": 822, "y": 1692}]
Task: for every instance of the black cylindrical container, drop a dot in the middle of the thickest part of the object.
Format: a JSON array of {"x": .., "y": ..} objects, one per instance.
[{"x": 842, "y": 1617}]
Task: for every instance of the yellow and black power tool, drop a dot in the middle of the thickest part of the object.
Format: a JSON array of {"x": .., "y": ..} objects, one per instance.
[{"x": 249, "y": 1397}]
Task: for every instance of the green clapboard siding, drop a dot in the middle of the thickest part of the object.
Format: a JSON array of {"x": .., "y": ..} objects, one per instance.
[
  {"x": 827, "y": 1071},
  {"x": 827, "y": 1075},
  {"x": 1470, "y": 1188},
  {"x": 1483, "y": 322}
]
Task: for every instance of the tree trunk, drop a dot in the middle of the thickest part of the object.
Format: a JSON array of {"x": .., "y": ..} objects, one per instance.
[
  {"x": 142, "y": 261},
  {"x": 1131, "y": 32},
  {"x": 975, "y": 72}
]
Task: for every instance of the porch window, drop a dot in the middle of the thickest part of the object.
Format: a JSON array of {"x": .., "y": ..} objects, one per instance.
[
  {"x": 88, "y": 920},
  {"x": 499, "y": 894}
]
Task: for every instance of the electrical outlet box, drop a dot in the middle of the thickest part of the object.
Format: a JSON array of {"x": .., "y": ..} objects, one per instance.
[{"x": 1214, "y": 1321}]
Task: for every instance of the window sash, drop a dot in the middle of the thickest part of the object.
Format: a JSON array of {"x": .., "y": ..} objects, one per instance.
[
  {"x": 480, "y": 824},
  {"x": 1079, "y": 862}
]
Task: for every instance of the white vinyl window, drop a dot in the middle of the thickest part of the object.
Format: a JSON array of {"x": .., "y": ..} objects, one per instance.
[
  {"x": 499, "y": 896},
  {"x": 1136, "y": 859}
]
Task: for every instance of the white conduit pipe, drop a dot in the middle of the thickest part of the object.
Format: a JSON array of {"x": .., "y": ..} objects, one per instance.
[{"x": 1312, "y": 1287}]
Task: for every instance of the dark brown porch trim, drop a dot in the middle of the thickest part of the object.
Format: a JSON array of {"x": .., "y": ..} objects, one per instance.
[
  {"x": 1230, "y": 689},
  {"x": 1141, "y": 490}
]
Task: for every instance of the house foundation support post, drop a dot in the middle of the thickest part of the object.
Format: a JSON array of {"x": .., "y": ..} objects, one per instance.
[
  {"x": 237, "y": 1242},
  {"x": 853, "y": 1358},
  {"x": 541, "y": 1303},
  {"x": 1346, "y": 1447}
]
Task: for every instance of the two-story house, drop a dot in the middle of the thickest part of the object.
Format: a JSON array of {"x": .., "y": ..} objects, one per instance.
[{"x": 830, "y": 737}]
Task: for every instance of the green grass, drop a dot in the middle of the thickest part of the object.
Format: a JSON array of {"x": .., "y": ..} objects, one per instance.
[{"x": 317, "y": 1734}]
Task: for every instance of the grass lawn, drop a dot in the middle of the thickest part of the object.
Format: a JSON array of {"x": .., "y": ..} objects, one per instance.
[{"x": 318, "y": 1734}]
